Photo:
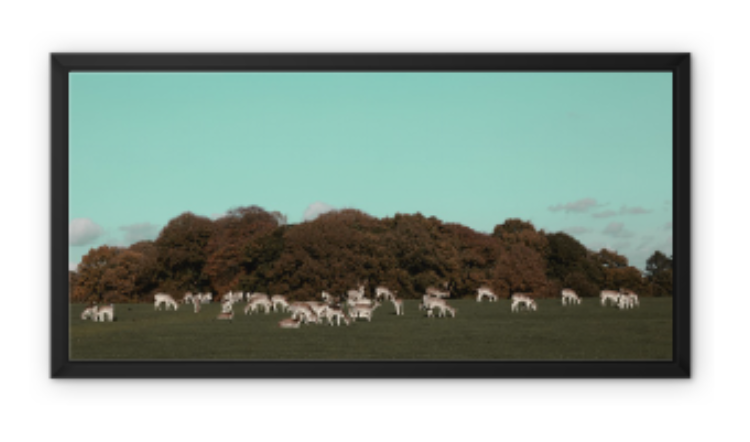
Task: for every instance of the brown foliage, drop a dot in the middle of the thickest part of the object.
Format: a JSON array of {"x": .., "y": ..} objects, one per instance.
[{"x": 251, "y": 249}]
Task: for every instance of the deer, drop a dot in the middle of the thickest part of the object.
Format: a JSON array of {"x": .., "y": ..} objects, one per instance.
[
  {"x": 383, "y": 292},
  {"x": 356, "y": 294},
  {"x": 486, "y": 292},
  {"x": 257, "y": 303},
  {"x": 289, "y": 323},
  {"x": 104, "y": 312},
  {"x": 333, "y": 313},
  {"x": 439, "y": 293},
  {"x": 569, "y": 296},
  {"x": 431, "y": 302},
  {"x": 225, "y": 316},
  {"x": 167, "y": 300},
  {"x": 609, "y": 296},
  {"x": 196, "y": 304},
  {"x": 187, "y": 298},
  {"x": 398, "y": 304},
  {"x": 631, "y": 296},
  {"x": 89, "y": 313},
  {"x": 363, "y": 311},
  {"x": 301, "y": 310},
  {"x": 280, "y": 302},
  {"x": 519, "y": 299}
]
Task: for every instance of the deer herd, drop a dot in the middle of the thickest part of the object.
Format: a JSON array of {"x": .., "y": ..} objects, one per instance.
[{"x": 354, "y": 306}]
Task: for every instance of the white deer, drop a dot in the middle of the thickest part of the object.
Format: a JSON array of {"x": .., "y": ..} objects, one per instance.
[
  {"x": 327, "y": 297},
  {"x": 167, "y": 300},
  {"x": 570, "y": 297},
  {"x": 279, "y": 302},
  {"x": 439, "y": 293},
  {"x": 255, "y": 296},
  {"x": 431, "y": 303},
  {"x": 226, "y": 316},
  {"x": 356, "y": 294},
  {"x": 384, "y": 293},
  {"x": 302, "y": 311},
  {"x": 362, "y": 301},
  {"x": 398, "y": 304},
  {"x": 105, "y": 313},
  {"x": 196, "y": 304},
  {"x": 187, "y": 298},
  {"x": 609, "y": 296},
  {"x": 631, "y": 296},
  {"x": 257, "y": 304},
  {"x": 486, "y": 292},
  {"x": 319, "y": 308},
  {"x": 289, "y": 323},
  {"x": 522, "y": 299},
  {"x": 227, "y": 306},
  {"x": 336, "y": 314},
  {"x": 364, "y": 311},
  {"x": 89, "y": 313}
]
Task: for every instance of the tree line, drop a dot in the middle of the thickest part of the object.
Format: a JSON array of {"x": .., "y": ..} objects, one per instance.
[{"x": 253, "y": 250}]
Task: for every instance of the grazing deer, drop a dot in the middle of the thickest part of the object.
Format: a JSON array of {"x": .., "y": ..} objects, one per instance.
[
  {"x": 429, "y": 303},
  {"x": 522, "y": 299},
  {"x": 89, "y": 313},
  {"x": 384, "y": 293},
  {"x": 257, "y": 303},
  {"x": 631, "y": 296},
  {"x": 610, "y": 296},
  {"x": 187, "y": 298},
  {"x": 280, "y": 302},
  {"x": 570, "y": 297},
  {"x": 289, "y": 323},
  {"x": 105, "y": 313},
  {"x": 486, "y": 292},
  {"x": 167, "y": 300},
  {"x": 301, "y": 310}
]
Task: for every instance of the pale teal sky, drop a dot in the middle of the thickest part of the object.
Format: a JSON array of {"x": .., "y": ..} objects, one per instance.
[{"x": 471, "y": 148}]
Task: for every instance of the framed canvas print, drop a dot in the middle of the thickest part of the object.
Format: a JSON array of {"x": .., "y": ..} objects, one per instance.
[{"x": 370, "y": 215}]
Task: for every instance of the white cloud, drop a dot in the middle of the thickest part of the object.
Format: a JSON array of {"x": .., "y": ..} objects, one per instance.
[
  {"x": 316, "y": 209},
  {"x": 638, "y": 210},
  {"x": 617, "y": 230},
  {"x": 580, "y": 206},
  {"x": 73, "y": 267},
  {"x": 577, "y": 230},
  {"x": 83, "y": 231},
  {"x": 605, "y": 214},
  {"x": 215, "y": 216},
  {"x": 140, "y": 232}
]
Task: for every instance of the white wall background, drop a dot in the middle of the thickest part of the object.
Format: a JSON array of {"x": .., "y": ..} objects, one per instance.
[{"x": 710, "y": 405}]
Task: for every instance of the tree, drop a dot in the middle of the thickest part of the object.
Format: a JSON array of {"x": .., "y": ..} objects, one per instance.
[
  {"x": 611, "y": 259},
  {"x": 233, "y": 235},
  {"x": 659, "y": 274},
  {"x": 181, "y": 253},
  {"x": 91, "y": 285},
  {"x": 573, "y": 265}
]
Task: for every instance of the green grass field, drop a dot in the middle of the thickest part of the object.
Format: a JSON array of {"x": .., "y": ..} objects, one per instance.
[{"x": 486, "y": 331}]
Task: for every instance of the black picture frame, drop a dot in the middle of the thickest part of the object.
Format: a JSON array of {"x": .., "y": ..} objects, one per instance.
[{"x": 676, "y": 63}]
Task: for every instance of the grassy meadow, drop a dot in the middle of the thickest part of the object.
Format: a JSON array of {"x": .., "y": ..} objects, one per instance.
[{"x": 480, "y": 331}]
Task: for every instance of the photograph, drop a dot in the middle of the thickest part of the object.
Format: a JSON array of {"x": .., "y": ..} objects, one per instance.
[{"x": 370, "y": 216}]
